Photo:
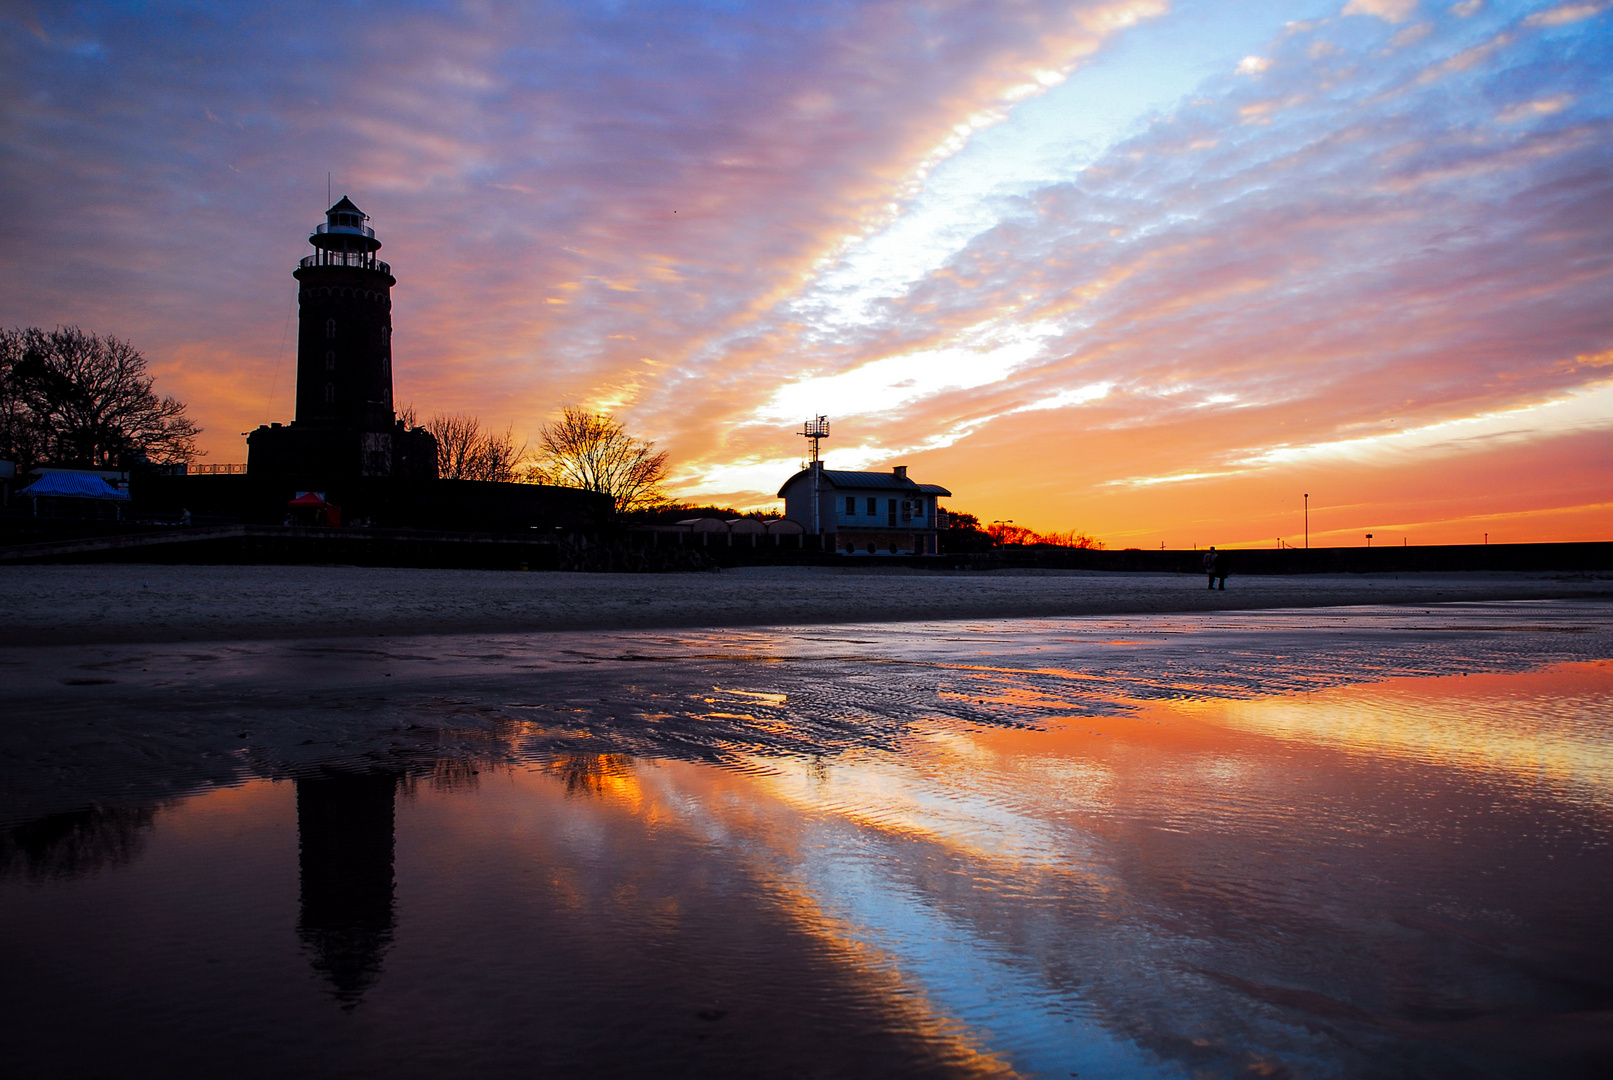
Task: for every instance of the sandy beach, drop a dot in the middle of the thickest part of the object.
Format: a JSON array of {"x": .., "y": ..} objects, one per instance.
[
  {"x": 63, "y": 605},
  {"x": 757, "y": 773}
]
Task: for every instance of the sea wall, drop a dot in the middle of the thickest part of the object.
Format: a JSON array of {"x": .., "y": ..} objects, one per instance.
[{"x": 384, "y": 502}]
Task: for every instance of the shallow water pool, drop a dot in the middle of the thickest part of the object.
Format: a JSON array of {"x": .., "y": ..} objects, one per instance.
[{"x": 1351, "y": 843}]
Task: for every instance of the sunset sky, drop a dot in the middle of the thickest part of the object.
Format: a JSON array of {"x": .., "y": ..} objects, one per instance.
[{"x": 1150, "y": 270}]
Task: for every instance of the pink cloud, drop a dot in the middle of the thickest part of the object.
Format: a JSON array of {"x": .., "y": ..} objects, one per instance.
[{"x": 638, "y": 210}]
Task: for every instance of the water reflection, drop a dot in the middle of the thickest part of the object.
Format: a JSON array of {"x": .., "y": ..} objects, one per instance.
[
  {"x": 1401, "y": 876},
  {"x": 595, "y": 774},
  {"x": 345, "y": 846},
  {"x": 75, "y": 843}
]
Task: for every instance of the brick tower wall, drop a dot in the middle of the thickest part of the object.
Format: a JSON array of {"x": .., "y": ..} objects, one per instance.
[{"x": 344, "y": 348}]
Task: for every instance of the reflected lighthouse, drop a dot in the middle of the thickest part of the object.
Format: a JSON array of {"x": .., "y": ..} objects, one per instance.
[{"x": 344, "y": 847}]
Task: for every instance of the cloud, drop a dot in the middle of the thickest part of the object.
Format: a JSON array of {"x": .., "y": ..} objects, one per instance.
[
  {"x": 1390, "y": 11},
  {"x": 1563, "y": 14},
  {"x": 1368, "y": 263},
  {"x": 1411, "y": 35},
  {"x": 543, "y": 178},
  {"x": 670, "y": 210},
  {"x": 1529, "y": 110}
]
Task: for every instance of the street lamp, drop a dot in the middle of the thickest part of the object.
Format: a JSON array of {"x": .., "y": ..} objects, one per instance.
[
  {"x": 1369, "y": 539},
  {"x": 1307, "y": 521}
]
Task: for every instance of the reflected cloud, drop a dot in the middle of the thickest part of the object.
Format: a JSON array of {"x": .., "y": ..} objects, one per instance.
[
  {"x": 1537, "y": 730},
  {"x": 1256, "y": 843}
]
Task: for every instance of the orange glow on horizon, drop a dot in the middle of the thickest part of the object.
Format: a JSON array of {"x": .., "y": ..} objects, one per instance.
[{"x": 1157, "y": 327}]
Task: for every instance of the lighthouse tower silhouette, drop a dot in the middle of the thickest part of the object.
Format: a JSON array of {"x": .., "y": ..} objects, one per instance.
[{"x": 345, "y": 423}]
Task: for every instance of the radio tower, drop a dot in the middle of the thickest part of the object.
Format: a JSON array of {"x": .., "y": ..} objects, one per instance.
[{"x": 815, "y": 431}]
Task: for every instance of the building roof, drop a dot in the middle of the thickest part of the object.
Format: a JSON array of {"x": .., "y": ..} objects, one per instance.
[{"x": 871, "y": 481}]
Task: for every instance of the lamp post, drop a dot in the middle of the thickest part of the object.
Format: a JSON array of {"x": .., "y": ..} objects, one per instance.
[
  {"x": 1307, "y": 521},
  {"x": 1369, "y": 539}
]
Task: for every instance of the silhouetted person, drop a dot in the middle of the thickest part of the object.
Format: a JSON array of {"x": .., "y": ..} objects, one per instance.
[
  {"x": 344, "y": 834},
  {"x": 1218, "y": 568},
  {"x": 1209, "y": 566}
]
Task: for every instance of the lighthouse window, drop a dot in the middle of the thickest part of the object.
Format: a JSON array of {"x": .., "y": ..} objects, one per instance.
[
  {"x": 330, "y": 328},
  {"x": 330, "y": 361},
  {"x": 330, "y": 393}
]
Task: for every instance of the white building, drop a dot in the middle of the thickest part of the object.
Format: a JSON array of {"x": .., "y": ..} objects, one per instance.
[{"x": 866, "y": 513}]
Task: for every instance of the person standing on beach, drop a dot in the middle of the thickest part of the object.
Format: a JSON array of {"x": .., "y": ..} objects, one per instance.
[
  {"x": 1218, "y": 567},
  {"x": 1209, "y": 565}
]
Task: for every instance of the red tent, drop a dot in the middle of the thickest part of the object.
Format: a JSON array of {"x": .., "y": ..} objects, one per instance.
[{"x": 327, "y": 513}]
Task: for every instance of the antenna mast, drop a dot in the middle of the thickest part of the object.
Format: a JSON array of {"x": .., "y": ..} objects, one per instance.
[{"x": 815, "y": 431}]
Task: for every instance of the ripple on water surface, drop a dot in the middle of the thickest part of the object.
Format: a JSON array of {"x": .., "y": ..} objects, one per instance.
[{"x": 1323, "y": 845}]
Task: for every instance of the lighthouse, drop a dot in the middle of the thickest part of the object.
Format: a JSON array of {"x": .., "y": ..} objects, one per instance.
[{"x": 345, "y": 423}]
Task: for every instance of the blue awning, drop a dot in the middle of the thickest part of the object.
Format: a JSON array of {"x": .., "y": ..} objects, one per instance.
[{"x": 74, "y": 486}]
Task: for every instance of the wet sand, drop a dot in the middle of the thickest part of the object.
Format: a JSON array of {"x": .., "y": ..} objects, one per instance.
[
  {"x": 120, "y": 722},
  {"x": 67, "y": 605}
]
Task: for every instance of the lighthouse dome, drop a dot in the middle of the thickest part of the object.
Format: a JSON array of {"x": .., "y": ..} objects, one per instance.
[{"x": 344, "y": 229}]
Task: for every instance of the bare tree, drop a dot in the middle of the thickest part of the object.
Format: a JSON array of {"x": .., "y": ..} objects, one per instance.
[
  {"x": 465, "y": 452},
  {"x": 498, "y": 458},
  {"x": 21, "y": 439},
  {"x": 593, "y": 451},
  {"x": 1006, "y": 532},
  {"x": 77, "y": 398},
  {"x": 457, "y": 439}
]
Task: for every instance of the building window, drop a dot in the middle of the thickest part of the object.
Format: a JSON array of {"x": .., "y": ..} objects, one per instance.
[
  {"x": 873, "y": 507},
  {"x": 851, "y": 506},
  {"x": 890, "y": 511},
  {"x": 330, "y": 361},
  {"x": 330, "y": 328},
  {"x": 330, "y": 393}
]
